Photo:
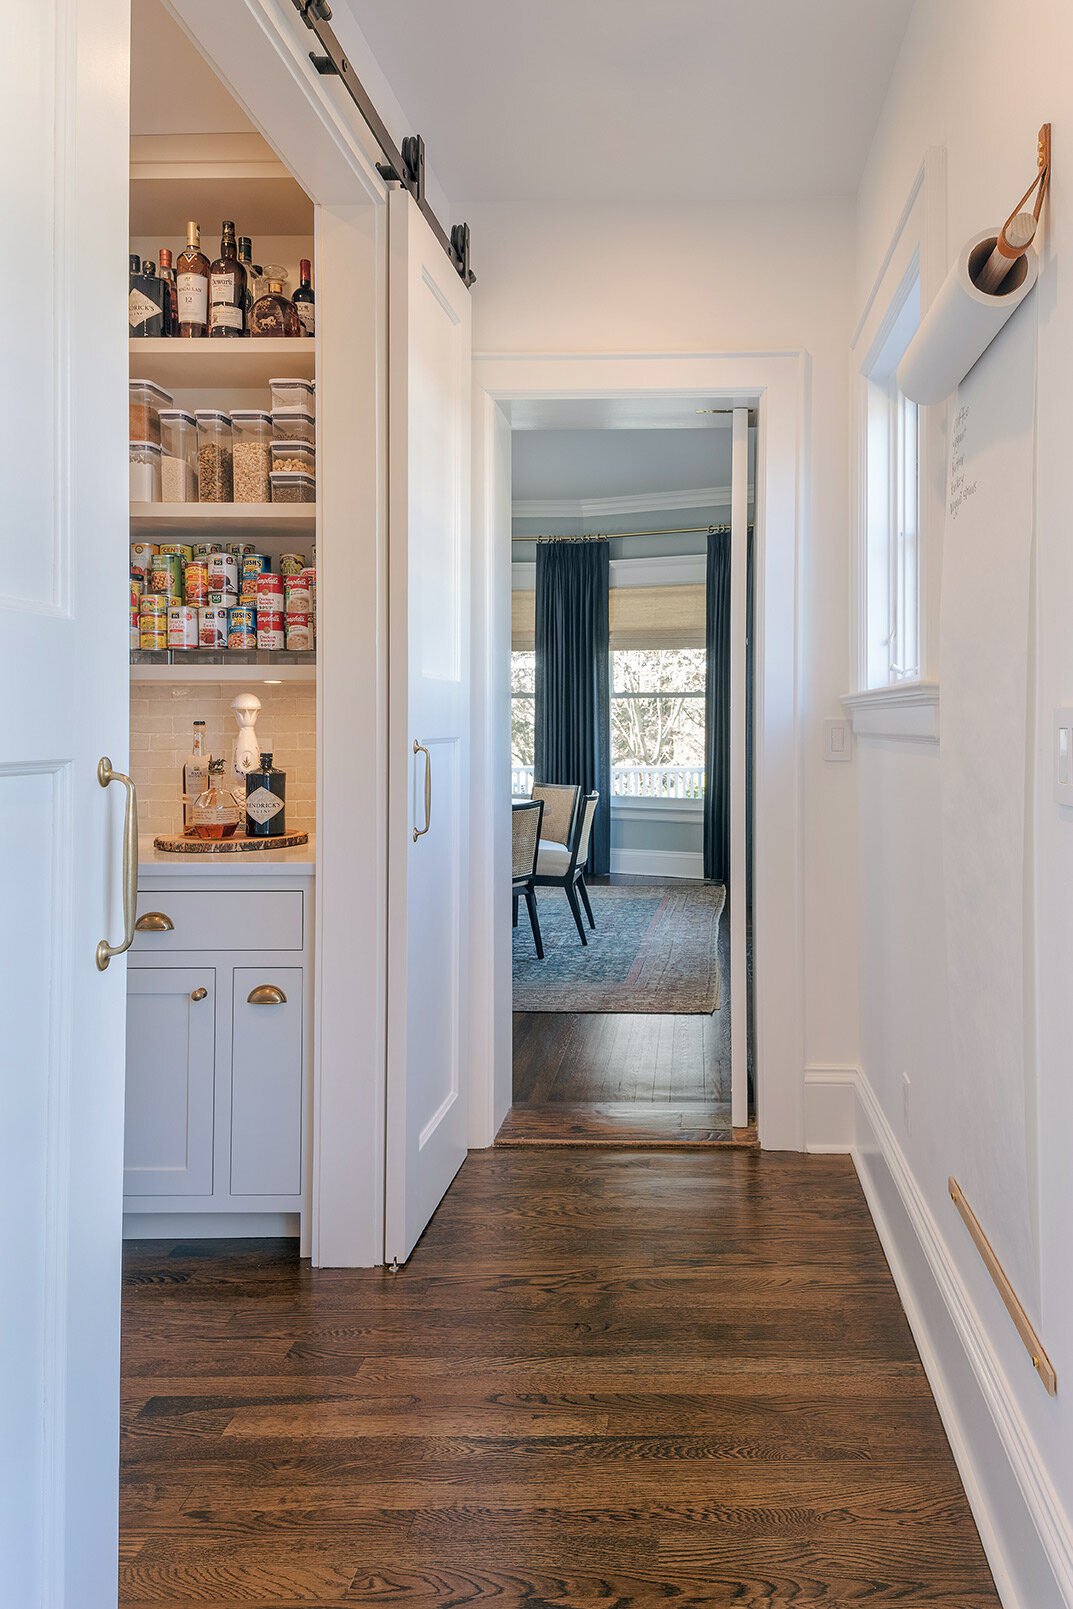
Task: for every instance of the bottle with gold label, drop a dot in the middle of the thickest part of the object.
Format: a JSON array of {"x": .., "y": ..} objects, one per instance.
[
  {"x": 227, "y": 288},
  {"x": 266, "y": 796}
]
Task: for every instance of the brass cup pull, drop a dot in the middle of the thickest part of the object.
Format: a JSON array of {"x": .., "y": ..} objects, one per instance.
[
  {"x": 199, "y": 994},
  {"x": 154, "y": 922},
  {"x": 266, "y": 994},
  {"x": 106, "y": 951},
  {"x": 419, "y": 748}
]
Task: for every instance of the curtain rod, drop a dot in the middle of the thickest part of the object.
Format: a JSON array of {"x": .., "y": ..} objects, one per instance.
[{"x": 617, "y": 536}]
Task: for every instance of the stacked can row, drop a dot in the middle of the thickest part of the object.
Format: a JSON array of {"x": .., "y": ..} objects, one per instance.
[{"x": 199, "y": 597}]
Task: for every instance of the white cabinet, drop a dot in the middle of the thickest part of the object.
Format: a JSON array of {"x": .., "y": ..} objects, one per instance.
[{"x": 219, "y": 1011}]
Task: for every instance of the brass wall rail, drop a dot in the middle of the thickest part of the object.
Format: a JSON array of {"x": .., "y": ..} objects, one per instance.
[{"x": 1040, "y": 1361}]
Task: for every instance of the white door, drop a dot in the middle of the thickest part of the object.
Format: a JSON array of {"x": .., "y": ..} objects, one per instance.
[
  {"x": 63, "y": 652},
  {"x": 428, "y": 779}
]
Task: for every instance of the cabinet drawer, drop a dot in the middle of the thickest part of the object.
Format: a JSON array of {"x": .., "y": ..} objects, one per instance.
[{"x": 260, "y": 919}]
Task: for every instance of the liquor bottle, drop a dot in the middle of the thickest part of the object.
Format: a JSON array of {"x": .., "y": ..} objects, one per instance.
[
  {"x": 273, "y": 313},
  {"x": 216, "y": 813},
  {"x": 145, "y": 299},
  {"x": 171, "y": 305},
  {"x": 195, "y": 775},
  {"x": 227, "y": 289},
  {"x": 245, "y": 257},
  {"x": 303, "y": 298},
  {"x": 192, "y": 285},
  {"x": 266, "y": 793}
]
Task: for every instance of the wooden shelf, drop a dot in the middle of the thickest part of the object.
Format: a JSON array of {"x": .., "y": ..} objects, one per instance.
[
  {"x": 198, "y": 364},
  {"x": 152, "y": 521},
  {"x": 236, "y": 666}
]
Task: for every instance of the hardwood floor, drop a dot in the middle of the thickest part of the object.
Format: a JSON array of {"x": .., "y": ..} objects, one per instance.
[{"x": 603, "y": 1378}]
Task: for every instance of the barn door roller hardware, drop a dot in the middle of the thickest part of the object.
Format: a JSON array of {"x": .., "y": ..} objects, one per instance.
[{"x": 407, "y": 165}]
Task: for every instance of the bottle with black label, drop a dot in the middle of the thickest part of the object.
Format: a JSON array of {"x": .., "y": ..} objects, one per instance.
[
  {"x": 304, "y": 304},
  {"x": 145, "y": 299},
  {"x": 266, "y": 794},
  {"x": 227, "y": 288}
]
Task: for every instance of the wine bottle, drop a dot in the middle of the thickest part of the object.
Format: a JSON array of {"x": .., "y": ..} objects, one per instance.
[
  {"x": 245, "y": 257},
  {"x": 171, "y": 305},
  {"x": 303, "y": 298},
  {"x": 195, "y": 775},
  {"x": 266, "y": 793},
  {"x": 227, "y": 288},
  {"x": 192, "y": 285}
]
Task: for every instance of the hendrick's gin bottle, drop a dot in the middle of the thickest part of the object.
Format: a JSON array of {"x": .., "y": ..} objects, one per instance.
[{"x": 266, "y": 793}]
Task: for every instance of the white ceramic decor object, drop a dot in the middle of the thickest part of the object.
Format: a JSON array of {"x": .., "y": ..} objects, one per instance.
[{"x": 247, "y": 750}]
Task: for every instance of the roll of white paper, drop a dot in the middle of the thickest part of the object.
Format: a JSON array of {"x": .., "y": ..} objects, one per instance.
[{"x": 962, "y": 322}]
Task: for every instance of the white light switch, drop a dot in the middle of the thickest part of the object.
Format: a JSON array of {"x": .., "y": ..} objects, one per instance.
[
  {"x": 837, "y": 740},
  {"x": 1063, "y": 755}
]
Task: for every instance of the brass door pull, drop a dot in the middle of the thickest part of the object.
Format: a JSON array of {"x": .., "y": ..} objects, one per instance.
[
  {"x": 199, "y": 994},
  {"x": 106, "y": 951},
  {"x": 266, "y": 994},
  {"x": 419, "y": 748},
  {"x": 154, "y": 922}
]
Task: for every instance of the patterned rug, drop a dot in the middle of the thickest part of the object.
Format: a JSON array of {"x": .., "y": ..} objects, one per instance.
[{"x": 655, "y": 949}]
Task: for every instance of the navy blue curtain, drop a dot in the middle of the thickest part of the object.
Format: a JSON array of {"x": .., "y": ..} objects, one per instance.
[
  {"x": 717, "y": 712},
  {"x": 573, "y": 707}
]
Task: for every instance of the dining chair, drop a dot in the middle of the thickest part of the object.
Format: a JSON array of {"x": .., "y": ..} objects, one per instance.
[
  {"x": 558, "y": 867},
  {"x": 525, "y": 820},
  {"x": 560, "y": 811}
]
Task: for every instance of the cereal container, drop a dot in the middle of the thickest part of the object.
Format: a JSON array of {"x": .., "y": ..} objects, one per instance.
[
  {"x": 242, "y": 627},
  {"x": 196, "y": 583},
  {"x": 146, "y": 401},
  {"x": 270, "y": 629},
  {"x": 223, "y": 572},
  {"x": 182, "y": 626},
  {"x": 141, "y": 559},
  {"x": 299, "y": 632},
  {"x": 292, "y": 487},
  {"x": 178, "y": 467},
  {"x": 214, "y": 456},
  {"x": 294, "y": 395},
  {"x": 144, "y": 472},
  {"x": 212, "y": 626},
  {"x": 293, "y": 424},
  {"x": 252, "y": 454}
]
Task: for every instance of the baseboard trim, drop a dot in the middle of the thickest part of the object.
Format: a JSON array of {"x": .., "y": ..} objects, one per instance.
[
  {"x": 658, "y": 862},
  {"x": 1026, "y": 1534},
  {"x": 210, "y": 1225}
]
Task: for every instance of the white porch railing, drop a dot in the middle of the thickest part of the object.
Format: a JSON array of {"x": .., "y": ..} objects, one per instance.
[{"x": 634, "y": 781}]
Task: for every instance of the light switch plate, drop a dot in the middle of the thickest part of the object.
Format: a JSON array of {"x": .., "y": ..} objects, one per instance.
[
  {"x": 838, "y": 740},
  {"x": 1062, "y": 758}
]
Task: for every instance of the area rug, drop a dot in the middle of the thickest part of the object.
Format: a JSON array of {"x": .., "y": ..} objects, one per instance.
[{"x": 655, "y": 948}]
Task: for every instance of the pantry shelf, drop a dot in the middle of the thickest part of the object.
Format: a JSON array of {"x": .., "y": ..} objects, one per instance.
[
  {"x": 198, "y": 364},
  {"x": 155, "y": 520},
  {"x": 236, "y": 665}
]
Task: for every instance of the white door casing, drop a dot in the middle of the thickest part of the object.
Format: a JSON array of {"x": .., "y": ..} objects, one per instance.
[
  {"x": 739, "y": 551},
  {"x": 63, "y": 577},
  {"x": 429, "y": 356}
]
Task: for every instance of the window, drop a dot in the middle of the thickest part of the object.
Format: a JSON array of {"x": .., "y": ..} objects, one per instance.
[
  {"x": 657, "y": 723},
  {"x": 522, "y": 719}
]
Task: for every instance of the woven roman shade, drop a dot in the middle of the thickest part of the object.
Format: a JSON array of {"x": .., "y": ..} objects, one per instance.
[
  {"x": 522, "y": 622},
  {"x": 641, "y": 617}
]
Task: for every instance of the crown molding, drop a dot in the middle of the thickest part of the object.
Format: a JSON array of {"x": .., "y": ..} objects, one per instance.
[{"x": 592, "y": 508}]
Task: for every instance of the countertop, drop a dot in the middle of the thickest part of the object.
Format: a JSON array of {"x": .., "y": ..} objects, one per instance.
[{"x": 297, "y": 862}]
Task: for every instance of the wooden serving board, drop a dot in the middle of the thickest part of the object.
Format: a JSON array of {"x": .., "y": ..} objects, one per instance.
[{"x": 228, "y": 846}]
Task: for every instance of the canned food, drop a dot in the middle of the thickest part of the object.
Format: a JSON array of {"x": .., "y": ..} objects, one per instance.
[
  {"x": 222, "y": 600},
  {"x": 137, "y": 587},
  {"x": 270, "y": 629},
  {"x": 292, "y": 563},
  {"x": 212, "y": 626},
  {"x": 223, "y": 572},
  {"x": 270, "y": 587},
  {"x": 182, "y": 626},
  {"x": 241, "y": 627},
  {"x": 167, "y": 575},
  {"x": 179, "y": 549},
  {"x": 299, "y": 632},
  {"x": 239, "y": 549},
  {"x": 196, "y": 583},
  {"x": 153, "y": 606},
  {"x": 151, "y": 637},
  {"x": 141, "y": 558},
  {"x": 203, "y": 549},
  {"x": 299, "y": 597},
  {"x": 135, "y": 629},
  {"x": 255, "y": 564}
]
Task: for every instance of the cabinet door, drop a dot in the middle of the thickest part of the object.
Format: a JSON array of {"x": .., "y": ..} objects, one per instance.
[
  {"x": 266, "y": 1081},
  {"x": 171, "y": 1075}
]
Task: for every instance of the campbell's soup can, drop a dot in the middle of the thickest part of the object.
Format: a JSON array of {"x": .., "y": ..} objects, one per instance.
[
  {"x": 223, "y": 572},
  {"x": 182, "y": 626},
  {"x": 241, "y": 627},
  {"x": 167, "y": 575},
  {"x": 299, "y": 598},
  {"x": 270, "y": 592},
  {"x": 152, "y": 635},
  {"x": 299, "y": 632},
  {"x": 141, "y": 558},
  {"x": 212, "y": 626},
  {"x": 255, "y": 564},
  {"x": 292, "y": 563},
  {"x": 196, "y": 583},
  {"x": 270, "y": 629},
  {"x": 179, "y": 549},
  {"x": 222, "y": 600}
]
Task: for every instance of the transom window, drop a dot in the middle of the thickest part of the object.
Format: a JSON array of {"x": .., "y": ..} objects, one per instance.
[{"x": 892, "y": 646}]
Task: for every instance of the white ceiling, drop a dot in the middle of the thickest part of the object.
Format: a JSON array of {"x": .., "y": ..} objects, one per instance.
[
  {"x": 581, "y": 465},
  {"x": 639, "y": 100}
]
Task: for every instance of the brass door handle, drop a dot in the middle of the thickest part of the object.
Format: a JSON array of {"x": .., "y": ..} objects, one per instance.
[
  {"x": 106, "y": 951},
  {"x": 266, "y": 994},
  {"x": 419, "y": 748},
  {"x": 199, "y": 994},
  {"x": 154, "y": 922}
]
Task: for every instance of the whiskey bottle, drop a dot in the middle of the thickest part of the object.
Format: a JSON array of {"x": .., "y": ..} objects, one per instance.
[
  {"x": 303, "y": 298},
  {"x": 195, "y": 775},
  {"x": 273, "y": 313},
  {"x": 266, "y": 793},
  {"x": 171, "y": 306},
  {"x": 227, "y": 289},
  {"x": 192, "y": 285}
]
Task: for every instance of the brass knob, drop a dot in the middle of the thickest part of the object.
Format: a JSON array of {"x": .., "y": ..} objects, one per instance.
[
  {"x": 199, "y": 994},
  {"x": 154, "y": 922},
  {"x": 266, "y": 994}
]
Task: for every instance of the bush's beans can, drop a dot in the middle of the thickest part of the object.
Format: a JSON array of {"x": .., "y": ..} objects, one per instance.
[
  {"x": 299, "y": 632},
  {"x": 270, "y": 593},
  {"x": 212, "y": 626},
  {"x": 178, "y": 549},
  {"x": 141, "y": 559},
  {"x": 182, "y": 626},
  {"x": 270, "y": 630},
  {"x": 255, "y": 564},
  {"x": 292, "y": 563},
  {"x": 167, "y": 575},
  {"x": 242, "y": 627},
  {"x": 196, "y": 583},
  {"x": 223, "y": 572},
  {"x": 225, "y": 600}
]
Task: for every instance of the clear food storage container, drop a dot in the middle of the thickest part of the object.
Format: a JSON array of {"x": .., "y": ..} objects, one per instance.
[
  {"x": 293, "y": 424},
  {"x": 299, "y": 396},
  {"x": 251, "y": 432},
  {"x": 178, "y": 467},
  {"x": 294, "y": 455},
  {"x": 214, "y": 462},
  {"x": 289, "y": 486},
  {"x": 145, "y": 472},
  {"x": 146, "y": 401}
]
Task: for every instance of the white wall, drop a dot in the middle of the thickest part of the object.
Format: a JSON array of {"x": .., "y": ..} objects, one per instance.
[
  {"x": 683, "y": 278},
  {"x": 979, "y": 77}
]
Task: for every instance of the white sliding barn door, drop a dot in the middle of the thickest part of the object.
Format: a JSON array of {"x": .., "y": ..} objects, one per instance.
[
  {"x": 428, "y": 777},
  {"x": 63, "y": 575}
]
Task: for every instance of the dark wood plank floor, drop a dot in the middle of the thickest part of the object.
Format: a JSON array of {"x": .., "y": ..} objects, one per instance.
[{"x": 603, "y": 1378}]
